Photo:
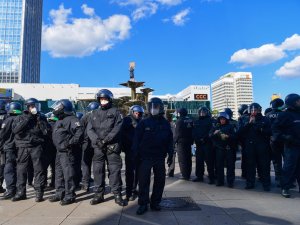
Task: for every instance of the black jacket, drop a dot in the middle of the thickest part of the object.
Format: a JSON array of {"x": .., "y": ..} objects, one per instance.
[
  {"x": 67, "y": 133},
  {"x": 286, "y": 128},
  {"x": 128, "y": 128},
  {"x": 257, "y": 132},
  {"x": 6, "y": 135},
  {"x": 153, "y": 139},
  {"x": 30, "y": 130},
  {"x": 84, "y": 123},
  {"x": 105, "y": 125},
  {"x": 201, "y": 129},
  {"x": 184, "y": 130},
  {"x": 226, "y": 129}
]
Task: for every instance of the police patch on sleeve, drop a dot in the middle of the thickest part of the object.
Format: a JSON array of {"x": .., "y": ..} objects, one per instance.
[
  {"x": 77, "y": 124},
  {"x": 3, "y": 125}
]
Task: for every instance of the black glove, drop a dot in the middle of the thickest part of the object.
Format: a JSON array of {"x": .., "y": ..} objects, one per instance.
[
  {"x": 100, "y": 143},
  {"x": 170, "y": 160}
]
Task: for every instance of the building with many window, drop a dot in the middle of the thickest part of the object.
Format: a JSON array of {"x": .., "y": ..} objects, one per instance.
[
  {"x": 20, "y": 40},
  {"x": 231, "y": 90}
]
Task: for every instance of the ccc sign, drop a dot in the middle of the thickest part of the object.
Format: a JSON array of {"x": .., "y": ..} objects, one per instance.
[{"x": 200, "y": 96}]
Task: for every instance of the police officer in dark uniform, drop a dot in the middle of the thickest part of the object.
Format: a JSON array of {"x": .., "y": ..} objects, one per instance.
[
  {"x": 223, "y": 137},
  {"x": 153, "y": 141},
  {"x": 3, "y": 116},
  {"x": 242, "y": 121},
  {"x": 67, "y": 134},
  {"x": 276, "y": 146},
  {"x": 30, "y": 130},
  {"x": 286, "y": 129},
  {"x": 184, "y": 139},
  {"x": 10, "y": 150},
  {"x": 204, "y": 150},
  {"x": 256, "y": 133},
  {"x": 104, "y": 131},
  {"x": 87, "y": 150},
  {"x": 130, "y": 122}
]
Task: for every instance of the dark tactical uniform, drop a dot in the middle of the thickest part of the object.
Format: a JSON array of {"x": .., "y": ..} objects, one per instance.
[
  {"x": 286, "y": 128},
  {"x": 224, "y": 143},
  {"x": 171, "y": 167},
  {"x": 67, "y": 133},
  {"x": 276, "y": 146},
  {"x": 204, "y": 148},
  {"x": 104, "y": 132},
  {"x": 153, "y": 140},
  {"x": 256, "y": 138},
  {"x": 128, "y": 129},
  {"x": 3, "y": 116},
  {"x": 30, "y": 134},
  {"x": 184, "y": 139},
  {"x": 10, "y": 151}
]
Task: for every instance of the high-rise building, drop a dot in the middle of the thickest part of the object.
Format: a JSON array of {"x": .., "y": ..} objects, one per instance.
[
  {"x": 20, "y": 40},
  {"x": 231, "y": 90}
]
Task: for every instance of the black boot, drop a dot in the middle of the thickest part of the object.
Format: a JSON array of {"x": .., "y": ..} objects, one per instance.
[
  {"x": 155, "y": 207},
  {"x": 198, "y": 179},
  {"x": 54, "y": 198},
  {"x": 85, "y": 188},
  {"x": 98, "y": 198},
  {"x": 9, "y": 195},
  {"x": 119, "y": 200},
  {"x": 285, "y": 193},
  {"x": 2, "y": 190},
  {"x": 39, "y": 196},
  {"x": 142, "y": 209},
  {"x": 67, "y": 201},
  {"x": 19, "y": 197}
]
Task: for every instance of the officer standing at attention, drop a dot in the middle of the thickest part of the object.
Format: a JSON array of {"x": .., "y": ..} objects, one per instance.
[
  {"x": 286, "y": 128},
  {"x": 9, "y": 149},
  {"x": 104, "y": 131},
  {"x": 256, "y": 133},
  {"x": 66, "y": 135},
  {"x": 30, "y": 130},
  {"x": 276, "y": 146},
  {"x": 130, "y": 122},
  {"x": 153, "y": 141},
  {"x": 87, "y": 150},
  {"x": 183, "y": 137}
]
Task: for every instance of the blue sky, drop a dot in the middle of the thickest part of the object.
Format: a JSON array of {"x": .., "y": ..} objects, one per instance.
[{"x": 175, "y": 43}]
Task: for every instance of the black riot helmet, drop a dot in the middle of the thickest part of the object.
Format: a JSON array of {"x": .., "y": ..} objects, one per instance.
[
  {"x": 79, "y": 115},
  {"x": 276, "y": 103},
  {"x": 242, "y": 108},
  {"x": 291, "y": 101},
  {"x": 63, "y": 107},
  {"x": 33, "y": 102},
  {"x": 182, "y": 112},
  {"x": 2, "y": 105},
  {"x": 267, "y": 110},
  {"x": 254, "y": 106},
  {"x": 155, "y": 107},
  {"x": 92, "y": 106},
  {"x": 223, "y": 115},
  {"x": 204, "y": 112},
  {"x": 105, "y": 94},
  {"x": 14, "y": 108},
  {"x": 229, "y": 112}
]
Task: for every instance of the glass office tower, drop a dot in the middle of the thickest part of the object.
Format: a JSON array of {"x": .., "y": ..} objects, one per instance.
[{"x": 20, "y": 40}]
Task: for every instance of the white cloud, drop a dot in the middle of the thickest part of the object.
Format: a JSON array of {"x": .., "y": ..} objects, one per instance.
[
  {"x": 77, "y": 37},
  {"x": 290, "y": 69},
  {"x": 291, "y": 43},
  {"x": 263, "y": 55},
  {"x": 146, "y": 10},
  {"x": 180, "y": 18}
]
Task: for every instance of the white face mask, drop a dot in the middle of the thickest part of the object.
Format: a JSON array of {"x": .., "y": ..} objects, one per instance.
[
  {"x": 33, "y": 111},
  {"x": 154, "y": 112},
  {"x": 104, "y": 102}
]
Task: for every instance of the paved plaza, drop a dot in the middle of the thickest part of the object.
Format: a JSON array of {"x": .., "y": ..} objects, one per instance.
[{"x": 218, "y": 205}]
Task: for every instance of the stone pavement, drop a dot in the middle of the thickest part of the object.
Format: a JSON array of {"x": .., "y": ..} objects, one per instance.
[{"x": 219, "y": 205}]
